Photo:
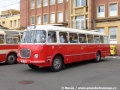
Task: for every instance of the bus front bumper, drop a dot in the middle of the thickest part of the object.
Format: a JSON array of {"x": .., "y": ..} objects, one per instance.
[{"x": 31, "y": 62}]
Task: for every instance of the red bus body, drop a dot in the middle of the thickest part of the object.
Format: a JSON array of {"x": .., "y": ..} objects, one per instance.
[
  {"x": 69, "y": 52},
  {"x": 5, "y": 50}
]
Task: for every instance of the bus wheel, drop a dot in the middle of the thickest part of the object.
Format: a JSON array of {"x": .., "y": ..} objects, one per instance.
[
  {"x": 57, "y": 64},
  {"x": 11, "y": 59},
  {"x": 33, "y": 66},
  {"x": 98, "y": 57}
]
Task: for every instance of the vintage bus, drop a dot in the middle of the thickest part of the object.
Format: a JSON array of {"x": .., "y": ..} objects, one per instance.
[
  {"x": 52, "y": 46},
  {"x": 9, "y": 41}
]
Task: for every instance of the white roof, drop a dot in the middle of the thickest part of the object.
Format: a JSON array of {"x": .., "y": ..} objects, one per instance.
[
  {"x": 50, "y": 27},
  {"x": 4, "y": 31}
]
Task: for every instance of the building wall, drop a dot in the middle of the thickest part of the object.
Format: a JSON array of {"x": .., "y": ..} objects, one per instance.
[
  {"x": 26, "y": 12},
  {"x": 108, "y": 21},
  {"x": 76, "y": 11},
  {"x": 10, "y": 19}
]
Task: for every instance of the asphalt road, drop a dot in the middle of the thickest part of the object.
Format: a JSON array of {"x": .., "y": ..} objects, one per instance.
[{"x": 74, "y": 77}]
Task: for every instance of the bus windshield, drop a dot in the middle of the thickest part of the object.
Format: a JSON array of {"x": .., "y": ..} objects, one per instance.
[{"x": 34, "y": 36}]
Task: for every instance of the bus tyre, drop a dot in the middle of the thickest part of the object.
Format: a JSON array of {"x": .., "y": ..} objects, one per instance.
[
  {"x": 57, "y": 64},
  {"x": 33, "y": 66},
  {"x": 11, "y": 59},
  {"x": 98, "y": 57}
]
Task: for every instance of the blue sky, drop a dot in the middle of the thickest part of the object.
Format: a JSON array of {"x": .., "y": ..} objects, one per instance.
[{"x": 9, "y": 4}]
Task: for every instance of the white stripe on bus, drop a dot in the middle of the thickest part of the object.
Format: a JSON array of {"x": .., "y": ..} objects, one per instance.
[{"x": 7, "y": 51}]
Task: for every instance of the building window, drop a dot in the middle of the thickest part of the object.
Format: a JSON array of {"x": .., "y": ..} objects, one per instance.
[
  {"x": 101, "y": 11},
  {"x": 52, "y": 18},
  {"x": 60, "y": 1},
  {"x": 32, "y": 4},
  {"x": 60, "y": 16},
  {"x": 45, "y": 18},
  {"x": 113, "y": 9},
  {"x": 3, "y": 22},
  {"x": 38, "y": 19},
  {"x": 38, "y": 3},
  {"x": 52, "y": 2},
  {"x": 72, "y": 3},
  {"x": 72, "y": 22},
  {"x": 45, "y": 2},
  {"x": 86, "y": 21},
  {"x": 32, "y": 21},
  {"x": 79, "y": 3},
  {"x": 80, "y": 22},
  {"x": 86, "y": 2},
  {"x": 15, "y": 22},
  {"x": 101, "y": 30},
  {"x": 10, "y": 23},
  {"x": 113, "y": 35}
]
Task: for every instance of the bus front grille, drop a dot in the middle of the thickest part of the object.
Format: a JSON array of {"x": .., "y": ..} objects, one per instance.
[{"x": 25, "y": 53}]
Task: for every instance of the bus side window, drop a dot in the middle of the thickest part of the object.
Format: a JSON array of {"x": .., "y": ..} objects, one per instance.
[
  {"x": 105, "y": 39},
  {"x": 52, "y": 37},
  {"x": 101, "y": 39},
  {"x": 73, "y": 38},
  {"x": 1, "y": 39},
  {"x": 90, "y": 38},
  {"x": 82, "y": 38},
  {"x": 96, "y": 39},
  {"x": 63, "y": 37}
]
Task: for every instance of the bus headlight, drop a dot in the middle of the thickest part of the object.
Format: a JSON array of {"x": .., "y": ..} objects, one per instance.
[{"x": 36, "y": 56}]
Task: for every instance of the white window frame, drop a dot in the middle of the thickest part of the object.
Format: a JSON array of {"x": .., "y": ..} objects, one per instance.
[
  {"x": 52, "y": 2},
  {"x": 101, "y": 30},
  {"x": 52, "y": 18},
  {"x": 32, "y": 3},
  {"x": 60, "y": 17},
  {"x": 45, "y": 3},
  {"x": 32, "y": 20},
  {"x": 60, "y": 1},
  {"x": 100, "y": 14},
  {"x": 38, "y": 19},
  {"x": 38, "y": 3},
  {"x": 79, "y": 21},
  {"x": 113, "y": 13},
  {"x": 44, "y": 19},
  {"x": 15, "y": 23},
  {"x": 80, "y": 3}
]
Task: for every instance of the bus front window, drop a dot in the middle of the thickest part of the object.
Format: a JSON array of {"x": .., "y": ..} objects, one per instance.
[{"x": 34, "y": 36}]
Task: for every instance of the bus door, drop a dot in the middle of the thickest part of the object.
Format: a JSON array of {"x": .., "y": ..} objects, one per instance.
[
  {"x": 90, "y": 47},
  {"x": 64, "y": 47},
  {"x": 52, "y": 46},
  {"x": 83, "y": 47},
  {"x": 74, "y": 47},
  {"x": 2, "y": 55}
]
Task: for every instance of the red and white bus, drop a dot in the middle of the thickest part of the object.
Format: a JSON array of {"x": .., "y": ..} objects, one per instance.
[
  {"x": 9, "y": 41},
  {"x": 51, "y": 46}
]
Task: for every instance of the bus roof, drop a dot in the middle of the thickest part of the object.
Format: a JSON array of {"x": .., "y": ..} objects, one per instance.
[
  {"x": 9, "y": 31},
  {"x": 56, "y": 28}
]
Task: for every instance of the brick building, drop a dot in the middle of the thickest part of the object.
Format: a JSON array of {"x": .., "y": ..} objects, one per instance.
[
  {"x": 102, "y": 15},
  {"x": 35, "y": 12}
]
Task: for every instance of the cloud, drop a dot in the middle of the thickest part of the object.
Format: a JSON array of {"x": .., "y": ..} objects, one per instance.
[{"x": 9, "y": 4}]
